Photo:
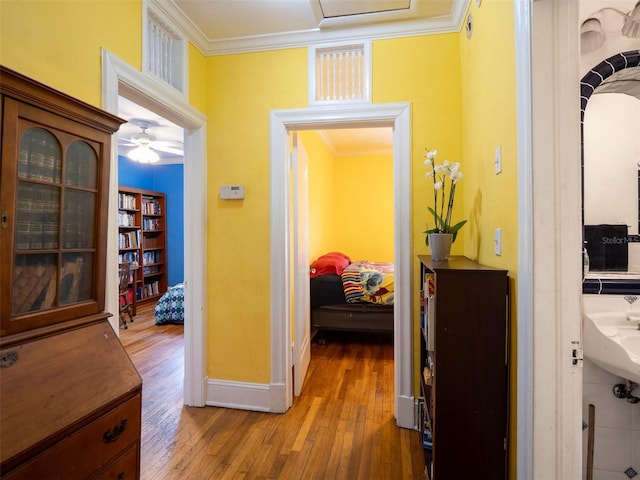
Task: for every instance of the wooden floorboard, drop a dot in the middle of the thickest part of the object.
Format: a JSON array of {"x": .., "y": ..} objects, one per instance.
[{"x": 340, "y": 427}]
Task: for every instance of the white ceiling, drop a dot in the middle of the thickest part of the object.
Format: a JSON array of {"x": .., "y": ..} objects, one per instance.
[
  {"x": 165, "y": 132},
  {"x": 228, "y": 26},
  {"x": 232, "y": 26}
]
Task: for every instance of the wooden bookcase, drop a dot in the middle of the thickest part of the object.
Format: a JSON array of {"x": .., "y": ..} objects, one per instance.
[
  {"x": 70, "y": 398},
  {"x": 464, "y": 351},
  {"x": 142, "y": 241}
]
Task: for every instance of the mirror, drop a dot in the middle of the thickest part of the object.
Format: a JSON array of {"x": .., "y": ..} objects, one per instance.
[{"x": 611, "y": 174}]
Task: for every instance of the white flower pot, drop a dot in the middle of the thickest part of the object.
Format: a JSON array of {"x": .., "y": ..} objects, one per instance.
[{"x": 440, "y": 245}]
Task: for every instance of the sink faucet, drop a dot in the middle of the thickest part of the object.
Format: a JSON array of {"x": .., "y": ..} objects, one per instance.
[{"x": 634, "y": 317}]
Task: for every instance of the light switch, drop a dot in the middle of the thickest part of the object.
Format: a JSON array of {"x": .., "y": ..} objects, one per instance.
[
  {"x": 498, "y": 160},
  {"x": 497, "y": 241}
]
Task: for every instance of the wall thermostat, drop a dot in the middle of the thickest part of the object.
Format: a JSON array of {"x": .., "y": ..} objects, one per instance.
[{"x": 232, "y": 192}]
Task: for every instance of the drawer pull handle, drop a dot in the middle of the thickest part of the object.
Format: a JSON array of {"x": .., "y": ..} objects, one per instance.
[
  {"x": 121, "y": 476},
  {"x": 112, "y": 435}
]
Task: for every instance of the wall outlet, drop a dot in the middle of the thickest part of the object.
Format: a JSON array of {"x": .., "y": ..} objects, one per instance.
[
  {"x": 497, "y": 162},
  {"x": 497, "y": 241}
]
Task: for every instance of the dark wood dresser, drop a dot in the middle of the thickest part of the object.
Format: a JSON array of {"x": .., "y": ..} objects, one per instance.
[{"x": 70, "y": 398}]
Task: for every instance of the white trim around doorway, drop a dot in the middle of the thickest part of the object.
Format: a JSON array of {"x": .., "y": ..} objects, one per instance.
[
  {"x": 397, "y": 116},
  {"x": 119, "y": 78}
]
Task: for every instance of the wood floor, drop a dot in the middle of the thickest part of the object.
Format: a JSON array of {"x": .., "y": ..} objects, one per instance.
[{"x": 341, "y": 426}]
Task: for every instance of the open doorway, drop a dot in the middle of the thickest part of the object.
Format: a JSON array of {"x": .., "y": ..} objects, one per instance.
[
  {"x": 147, "y": 133},
  {"x": 397, "y": 117},
  {"x": 343, "y": 224},
  {"x": 120, "y": 79}
]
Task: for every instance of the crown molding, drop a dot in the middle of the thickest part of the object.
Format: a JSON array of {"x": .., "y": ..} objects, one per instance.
[{"x": 302, "y": 38}]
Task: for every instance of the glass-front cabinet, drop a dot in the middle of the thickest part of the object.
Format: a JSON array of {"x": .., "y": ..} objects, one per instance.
[
  {"x": 67, "y": 383},
  {"x": 54, "y": 204}
]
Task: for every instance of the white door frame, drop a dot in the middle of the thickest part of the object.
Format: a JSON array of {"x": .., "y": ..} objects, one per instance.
[
  {"x": 119, "y": 78},
  {"x": 549, "y": 385},
  {"x": 398, "y": 116}
]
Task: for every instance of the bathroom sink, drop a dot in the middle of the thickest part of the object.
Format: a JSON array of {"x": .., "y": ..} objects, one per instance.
[
  {"x": 632, "y": 343},
  {"x": 613, "y": 343}
]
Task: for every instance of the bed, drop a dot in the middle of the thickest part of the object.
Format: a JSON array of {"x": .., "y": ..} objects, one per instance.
[
  {"x": 170, "y": 306},
  {"x": 351, "y": 296}
]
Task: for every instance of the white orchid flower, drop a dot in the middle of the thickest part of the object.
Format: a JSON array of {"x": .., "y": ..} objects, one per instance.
[
  {"x": 442, "y": 207},
  {"x": 456, "y": 177}
]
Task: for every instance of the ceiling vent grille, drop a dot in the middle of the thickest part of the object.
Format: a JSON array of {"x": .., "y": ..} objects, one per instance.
[
  {"x": 340, "y": 74},
  {"x": 165, "y": 52}
]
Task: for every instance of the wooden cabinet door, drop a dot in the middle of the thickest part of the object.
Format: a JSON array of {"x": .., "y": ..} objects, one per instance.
[{"x": 54, "y": 183}]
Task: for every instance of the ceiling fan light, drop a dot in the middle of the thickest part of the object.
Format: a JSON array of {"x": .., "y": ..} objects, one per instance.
[{"x": 143, "y": 154}]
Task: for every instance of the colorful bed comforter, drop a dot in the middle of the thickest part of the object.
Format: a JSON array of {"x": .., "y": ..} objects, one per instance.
[
  {"x": 170, "y": 307},
  {"x": 370, "y": 282}
]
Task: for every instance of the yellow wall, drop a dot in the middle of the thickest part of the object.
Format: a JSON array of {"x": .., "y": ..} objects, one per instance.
[
  {"x": 350, "y": 203},
  {"x": 59, "y": 43},
  {"x": 197, "y": 79},
  {"x": 322, "y": 201},
  {"x": 490, "y": 119},
  {"x": 242, "y": 89},
  {"x": 426, "y": 72},
  {"x": 364, "y": 219}
]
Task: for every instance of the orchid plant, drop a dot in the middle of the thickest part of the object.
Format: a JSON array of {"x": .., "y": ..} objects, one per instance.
[{"x": 445, "y": 177}]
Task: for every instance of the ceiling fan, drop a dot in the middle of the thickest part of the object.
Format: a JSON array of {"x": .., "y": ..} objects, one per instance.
[{"x": 147, "y": 149}]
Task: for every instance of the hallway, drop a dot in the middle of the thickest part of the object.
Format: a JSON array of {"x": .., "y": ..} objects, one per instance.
[{"x": 341, "y": 426}]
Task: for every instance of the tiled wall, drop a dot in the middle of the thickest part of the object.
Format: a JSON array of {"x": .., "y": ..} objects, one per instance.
[{"x": 617, "y": 427}]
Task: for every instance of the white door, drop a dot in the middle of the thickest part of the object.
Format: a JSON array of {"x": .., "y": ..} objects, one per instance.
[{"x": 301, "y": 327}]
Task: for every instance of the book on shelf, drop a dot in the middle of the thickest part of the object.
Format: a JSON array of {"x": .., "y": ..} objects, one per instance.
[
  {"x": 129, "y": 239},
  {"x": 151, "y": 289},
  {"x": 150, "y": 223},
  {"x": 129, "y": 257},
  {"x": 150, "y": 206},
  {"x": 150, "y": 270},
  {"x": 126, "y": 219},
  {"x": 127, "y": 201},
  {"x": 150, "y": 257}
]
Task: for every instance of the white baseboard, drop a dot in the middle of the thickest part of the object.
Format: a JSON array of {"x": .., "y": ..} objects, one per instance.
[
  {"x": 258, "y": 397},
  {"x": 261, "y": 397},
  {"x": 405, "y": 412}
]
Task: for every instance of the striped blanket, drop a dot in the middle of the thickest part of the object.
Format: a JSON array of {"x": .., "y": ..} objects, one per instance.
[{"x": 370, "y": 282}]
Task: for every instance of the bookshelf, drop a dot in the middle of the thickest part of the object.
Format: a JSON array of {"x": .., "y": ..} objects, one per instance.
[
  {"x": 142, "y": 241},
  {"x": 464, "y": 351},
  {"x": 129, "y": 231}
]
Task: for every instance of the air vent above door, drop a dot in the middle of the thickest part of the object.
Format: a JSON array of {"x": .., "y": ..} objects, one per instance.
[{"x": 340, "y": 73}]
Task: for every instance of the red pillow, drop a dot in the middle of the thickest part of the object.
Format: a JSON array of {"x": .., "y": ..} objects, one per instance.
[{"x": 334, "y": 262}]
